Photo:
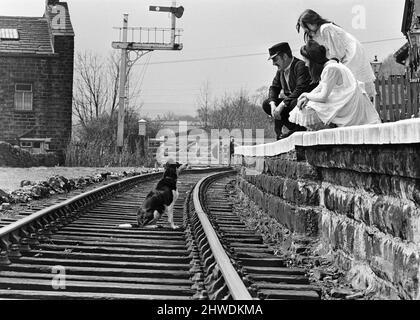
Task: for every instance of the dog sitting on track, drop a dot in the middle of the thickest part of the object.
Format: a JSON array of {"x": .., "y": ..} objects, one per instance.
[{"x": 161, "y": 199}]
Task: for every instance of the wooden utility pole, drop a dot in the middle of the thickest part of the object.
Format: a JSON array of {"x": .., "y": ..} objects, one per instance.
[
  {"x": 123, "y": 81},
  {"x": 141, "y": 48}
]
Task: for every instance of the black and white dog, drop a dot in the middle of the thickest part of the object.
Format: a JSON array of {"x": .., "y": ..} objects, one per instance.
[{"x": 161, "y": 199}]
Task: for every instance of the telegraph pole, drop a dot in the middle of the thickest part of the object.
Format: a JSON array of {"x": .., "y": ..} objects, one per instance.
[
  {"x": 141, "y": 48},
  {"x": 123, "y": 81},
  {"x": 173, "y": 24}
]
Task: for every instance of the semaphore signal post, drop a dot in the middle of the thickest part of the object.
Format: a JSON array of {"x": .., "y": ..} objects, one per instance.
[{"x": 143, "y": 41}]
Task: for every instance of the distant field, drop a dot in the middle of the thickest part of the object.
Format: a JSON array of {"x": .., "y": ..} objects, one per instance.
[{"x": 10, "y": 178}]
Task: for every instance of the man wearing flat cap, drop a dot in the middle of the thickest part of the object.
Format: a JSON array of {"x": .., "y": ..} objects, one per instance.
[{"x": 291, "y": 80}]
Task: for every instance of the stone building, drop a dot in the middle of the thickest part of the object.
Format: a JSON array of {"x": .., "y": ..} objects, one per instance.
[
  {"x": 409, "y": 54},
  {"x": 36, "y": 79}
]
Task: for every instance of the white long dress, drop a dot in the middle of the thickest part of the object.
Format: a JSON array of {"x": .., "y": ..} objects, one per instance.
[
  {"x": 345, "y": 47},
  {"x": 347, "y": 104}
]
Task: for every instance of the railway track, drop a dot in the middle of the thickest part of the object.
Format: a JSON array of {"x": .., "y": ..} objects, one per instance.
[
  {"x": 265, "y": 274},
  {"x": 74, "y": 250}
]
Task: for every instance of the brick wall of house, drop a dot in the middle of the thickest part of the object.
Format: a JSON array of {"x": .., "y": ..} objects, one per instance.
[
  {"x": 18, "y": 69},
  {"x": 51, "y": 76},
  {"x": 51, "y": 79}
]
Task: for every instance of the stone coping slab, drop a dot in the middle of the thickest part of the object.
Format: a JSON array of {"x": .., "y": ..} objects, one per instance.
[{"x": 400, "y": 132}]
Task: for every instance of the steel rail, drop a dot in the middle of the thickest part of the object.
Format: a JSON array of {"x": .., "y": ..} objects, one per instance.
[
  {"x": 103, "y": 261},
  {"x": 44, "y": 212},
  {"x": 17, "y": 236},
  {"x": 237, "y": 288}
]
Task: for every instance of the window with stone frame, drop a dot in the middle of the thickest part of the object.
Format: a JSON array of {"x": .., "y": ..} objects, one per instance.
[
  {"x": 23, "y": 96},
  {"x": 26, "y": 144}
]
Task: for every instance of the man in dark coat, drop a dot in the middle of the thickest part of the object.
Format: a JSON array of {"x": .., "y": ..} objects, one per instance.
[{"x": 291, "y": 80}]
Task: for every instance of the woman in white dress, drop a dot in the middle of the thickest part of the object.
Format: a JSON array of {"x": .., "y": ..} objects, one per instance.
[
  {"x": 339, "y": 44},
  {"x": 339, "y": 98}
]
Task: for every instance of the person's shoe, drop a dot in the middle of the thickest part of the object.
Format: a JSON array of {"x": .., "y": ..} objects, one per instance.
[
  {"x": 285, "y": 135},
  {"x": 290, "y": 132}
]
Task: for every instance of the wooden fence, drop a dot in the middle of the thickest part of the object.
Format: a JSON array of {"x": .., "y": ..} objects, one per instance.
[{"x": 397, "y": 98}]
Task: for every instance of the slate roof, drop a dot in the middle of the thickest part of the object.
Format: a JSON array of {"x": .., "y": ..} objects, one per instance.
[{"x": 34, "y": 35}]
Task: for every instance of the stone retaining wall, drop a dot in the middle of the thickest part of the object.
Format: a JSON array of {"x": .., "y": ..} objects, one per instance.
[
  {"x": 14, "y": 156},
  {"x": 361, "y": 201}
]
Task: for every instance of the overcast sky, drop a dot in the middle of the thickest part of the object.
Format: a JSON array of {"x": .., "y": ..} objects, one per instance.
[{"x": 225, "y": 41}]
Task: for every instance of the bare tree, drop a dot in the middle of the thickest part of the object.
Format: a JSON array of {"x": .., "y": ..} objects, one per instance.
[
  {"x": 239, "y": 111},
  {"x": 90, "y": 96},
  {"x": 167, "y": 116},
  {"x": 391, "y": 67},
  {"x": 114, "y": 82},
  {"x": 260, "y": 95},
  {"x": 204, "y": 103},
  {"x": 96, "y": 87}
]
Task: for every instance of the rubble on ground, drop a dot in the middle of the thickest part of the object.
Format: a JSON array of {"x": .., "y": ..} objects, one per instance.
[{"x": 57, "y": 184}]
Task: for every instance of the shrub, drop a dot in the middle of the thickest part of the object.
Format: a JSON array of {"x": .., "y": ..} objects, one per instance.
[{"x": 14, "y": 156}]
